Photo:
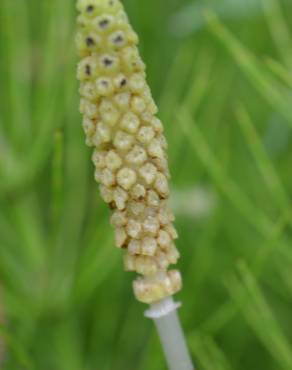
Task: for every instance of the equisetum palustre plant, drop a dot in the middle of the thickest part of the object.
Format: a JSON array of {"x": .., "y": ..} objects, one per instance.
[{"x": 131, "y": 166}]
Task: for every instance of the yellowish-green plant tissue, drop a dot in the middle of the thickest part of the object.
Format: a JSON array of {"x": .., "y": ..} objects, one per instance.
[{"x": 131, "y": 167}]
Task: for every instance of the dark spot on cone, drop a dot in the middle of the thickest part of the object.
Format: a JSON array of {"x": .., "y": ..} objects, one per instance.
[
  {"x": 90, "y": 8},
  {"x": 88, "y": 69},
  {"x": 104, "y": 23},
  {"x": 90, "y": 41}
]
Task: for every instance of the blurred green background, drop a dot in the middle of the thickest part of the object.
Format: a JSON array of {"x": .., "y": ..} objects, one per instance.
[{"x": 221, "y": 74}]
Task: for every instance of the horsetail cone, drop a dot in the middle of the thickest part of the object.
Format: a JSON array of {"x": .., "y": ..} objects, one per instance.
[{"x": 120, "y": 123}]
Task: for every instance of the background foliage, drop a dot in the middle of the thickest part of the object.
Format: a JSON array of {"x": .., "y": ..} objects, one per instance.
[{"x": 221, "y": 73}]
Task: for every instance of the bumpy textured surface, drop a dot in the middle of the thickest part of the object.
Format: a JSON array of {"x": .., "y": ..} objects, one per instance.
[{"x": 129, "y": 146}]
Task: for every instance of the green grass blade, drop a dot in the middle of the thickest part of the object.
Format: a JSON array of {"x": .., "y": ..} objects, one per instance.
[
  {"x": 224, "y": 183},
  {"x": 264, "y": 164},
  {"x": 274, "y": 93},
  {"x": 260, "y": 317},
  {"x": 208, "y": 354},
  {"x": 279, "y": 71},
  {"x": 279, "y": 29},
  {"x": 17, "y": 43}
]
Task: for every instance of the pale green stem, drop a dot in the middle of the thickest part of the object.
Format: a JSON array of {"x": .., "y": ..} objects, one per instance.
[{"x": 164, "y": 314}]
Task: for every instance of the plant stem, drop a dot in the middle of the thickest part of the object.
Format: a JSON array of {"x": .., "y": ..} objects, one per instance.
[{"x": 164, "y": 314}]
